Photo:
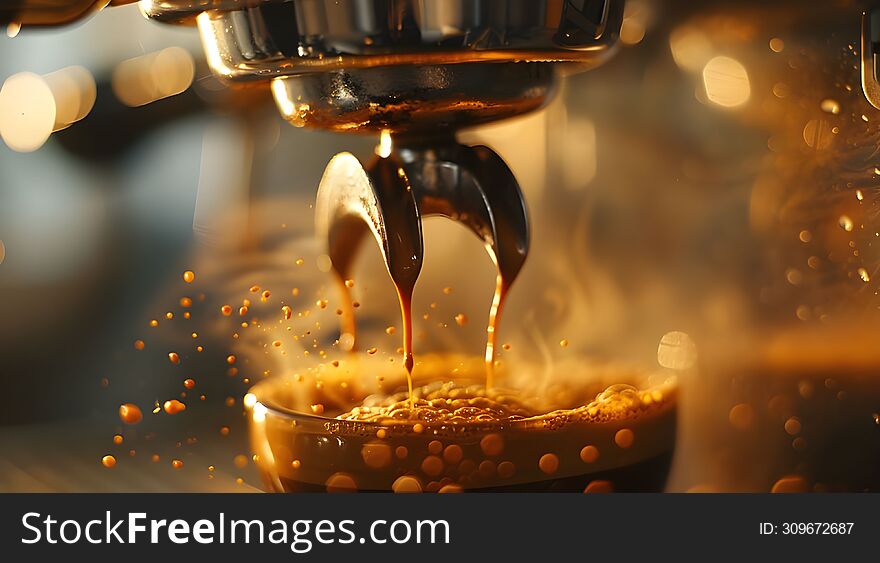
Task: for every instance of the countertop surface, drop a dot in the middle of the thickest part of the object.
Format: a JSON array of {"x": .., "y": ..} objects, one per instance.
[{"x": 66, "y": 457}]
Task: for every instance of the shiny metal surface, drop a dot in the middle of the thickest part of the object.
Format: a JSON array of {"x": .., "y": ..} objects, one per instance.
[
  {"x": 869, "y": 47},
  {"x": 47, "y": 12},
  {"x": 414, "y": 97},
  {"x": 251, "y": 34},
  {"x": 389, "y": 197}
]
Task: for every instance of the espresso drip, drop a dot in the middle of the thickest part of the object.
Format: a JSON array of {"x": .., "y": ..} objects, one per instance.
[{"x": 408, "y": 180}]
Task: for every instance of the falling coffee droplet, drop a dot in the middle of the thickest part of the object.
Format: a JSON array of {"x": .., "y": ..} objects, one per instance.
[
  {"x": 173, "y": 406},
  {"x": 2, "y": 252},
  {"x": 830, "y": 106},
  {"x": 130, "y": 413},
  {"x": 845, "y": 223}
]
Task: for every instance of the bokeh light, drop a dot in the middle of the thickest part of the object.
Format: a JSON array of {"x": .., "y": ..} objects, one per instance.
[
  {"x": 690, "y": 48},
  {"x": 148, "y": 78},
  {"x": 74, "y": 91},
  {"x": 27, "y": 112},
  {"x": 727, "y": 82},
  {"x": 33, "y": 106},
  {"x": 635, "y": 22}
]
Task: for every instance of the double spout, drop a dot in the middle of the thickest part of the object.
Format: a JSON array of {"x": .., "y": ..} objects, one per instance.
[{"x": 411, "y": 178}]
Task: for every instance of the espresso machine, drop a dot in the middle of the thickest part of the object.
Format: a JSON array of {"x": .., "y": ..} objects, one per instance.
[
  {"x": 732, "y": 205},
  {"x": 413, "y": 73}
]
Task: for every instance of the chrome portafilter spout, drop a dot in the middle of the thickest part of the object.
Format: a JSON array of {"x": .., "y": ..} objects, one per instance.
[{"x": 410, "y": 178}]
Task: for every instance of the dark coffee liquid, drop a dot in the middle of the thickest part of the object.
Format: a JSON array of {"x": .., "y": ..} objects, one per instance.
[
  {"x": 468, "y": 439},
  {"x": 648, "y": 476}
]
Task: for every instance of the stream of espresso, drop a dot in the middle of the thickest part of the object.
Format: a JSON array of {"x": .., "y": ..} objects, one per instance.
[
  {"x": 405, "y": 295},
  {"x": 492, "y": 327},
  {"x": 389, "y": 198}
]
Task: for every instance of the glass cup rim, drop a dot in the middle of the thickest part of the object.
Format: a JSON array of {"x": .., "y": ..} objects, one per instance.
[{"x": 263, "y": 396}]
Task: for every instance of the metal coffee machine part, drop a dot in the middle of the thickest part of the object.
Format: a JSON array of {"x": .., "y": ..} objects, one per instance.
[
  {"x": 869, "y": 53},
  {"x": 414, "y": 72}
]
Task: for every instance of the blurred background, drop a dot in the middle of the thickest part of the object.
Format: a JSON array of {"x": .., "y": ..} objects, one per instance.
[{"x": 719, "y": 177}]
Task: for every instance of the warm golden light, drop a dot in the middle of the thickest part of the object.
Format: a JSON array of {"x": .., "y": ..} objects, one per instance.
[
  {"x": 831, "y": 106},
  {"x": 690, "y": 48},
  {"x": 635, "y": 22},
  {"x": 677, "y": 351},
  {"x": 212, "y": 51},
  {"x": 632, "y": 31},
  {"x": 285, "y": 106},
  {"x": 27, "y": 111},
  {"x": 726, "y": 82},
  {"x": 249, "y": 401},
  {"x": 74, "y": 91},
  {"x": 259, "y": 412},
  {"x": 12, "y": 29},
  {"x": 580, "y": 162},
  {"x": 154, "y": 76},
  {"x": 383, "y": 149}
]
